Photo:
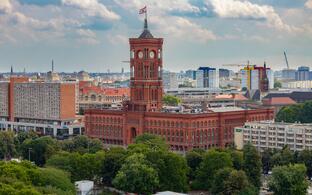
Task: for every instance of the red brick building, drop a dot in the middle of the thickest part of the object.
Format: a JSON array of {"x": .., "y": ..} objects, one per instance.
[{"x": 142, "y": 114}]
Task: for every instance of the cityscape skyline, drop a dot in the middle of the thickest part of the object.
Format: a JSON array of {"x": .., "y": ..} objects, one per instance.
[{"x": 93, "y": 35}]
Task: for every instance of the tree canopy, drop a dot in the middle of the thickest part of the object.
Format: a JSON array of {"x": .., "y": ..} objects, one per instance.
[
  {"x": 289, "y": 180},
  {"x": 296, "y": 113},
  {"x": 170, "y": 100}
]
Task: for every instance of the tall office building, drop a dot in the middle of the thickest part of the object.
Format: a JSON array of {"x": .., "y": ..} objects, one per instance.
[
  {"x": 303, "y": 73},
  {"x": 257, "y": 78},
  {"x": 170, "y": 80},
  {"x": 207, "y": 77},
  {"x": 289, "y": 74},
  {"x": 191, "y": 74}
]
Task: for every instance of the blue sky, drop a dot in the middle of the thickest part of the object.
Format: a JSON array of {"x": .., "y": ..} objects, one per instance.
[{"x": 92, "y": 35}]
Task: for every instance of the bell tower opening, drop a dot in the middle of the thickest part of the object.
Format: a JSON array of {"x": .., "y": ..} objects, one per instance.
[{"x": 146, "y": 86}]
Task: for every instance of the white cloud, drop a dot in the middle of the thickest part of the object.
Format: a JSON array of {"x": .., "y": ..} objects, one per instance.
[
  {"x": 248, "y": 10},
  {"x": 5, "y": 6},
  {"x": 308, "y": 4},
  {"x": 117, "y": 39},
  {"x": 92, "y": 8},
  {"x": 164, "y": 5},
  {"x": 87, "y": 36},
  {"x": 166, "y": 24},
  {"x": 182, "y": 28}
]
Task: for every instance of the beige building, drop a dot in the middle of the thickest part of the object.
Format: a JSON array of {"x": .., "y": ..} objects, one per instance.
[{"x": 273, "y": 135}]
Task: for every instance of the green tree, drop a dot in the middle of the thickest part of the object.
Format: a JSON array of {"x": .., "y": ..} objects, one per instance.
[
  {"x": 7, "y": 146},
  {"x": 21, "y": 136},
  {"x": 277, "y": 84},
  {"x": 282, "y": 157},
  {"x": 25, "y": 178},
  {"x": 212, "y": 162},
  {"x": 306, "y": 113},
  {"x": 114, "y": 159},
  {"x": 230, "y": 182},
  {"x": 305, "y": 157},
  {"x": 80, "y": 166},
  {"x": 289, "y": 180},
  {"x": 136, "y": 176},
  {"x": 193, "y": 160},
  {"x": 82, "y": 144},
  {"x": 266, "y": 160},
  {"x": 170, "y": 100},
  {"x": 172, "y": 170},
  {"x": 40, "y": 149},
  {"x": 237, "y": 159},
  {"x": 252, "y": 165},
  {"x": 154, "y": 142},
  {"x": 289, "y": 114}
]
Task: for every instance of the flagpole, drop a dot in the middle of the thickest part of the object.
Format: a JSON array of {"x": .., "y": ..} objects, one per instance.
[{"x": 146, "y": 14}]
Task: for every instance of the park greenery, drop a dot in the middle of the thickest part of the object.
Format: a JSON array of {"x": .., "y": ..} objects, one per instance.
[
  {"x": 144, "y": 167},
  {"x": 170, "y": 100},
  {"x": 296, "y": 113}
]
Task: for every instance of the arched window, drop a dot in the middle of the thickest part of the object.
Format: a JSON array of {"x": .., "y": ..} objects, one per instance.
[{"x": 93, "y": 97}]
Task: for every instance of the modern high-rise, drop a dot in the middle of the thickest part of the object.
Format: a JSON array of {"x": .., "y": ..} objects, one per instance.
[
  {"x": 257, "y": 78},
  {"x": 170, "y": 80},
  {"x": 207, "y": 77},
  {"x": 303, "y": 73}
]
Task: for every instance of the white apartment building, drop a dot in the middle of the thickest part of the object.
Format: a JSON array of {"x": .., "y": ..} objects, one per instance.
[
  {"x": 274, "y": 135},
  {"x": 297, "y": 85},
  {"x": 170, "y": 80}
]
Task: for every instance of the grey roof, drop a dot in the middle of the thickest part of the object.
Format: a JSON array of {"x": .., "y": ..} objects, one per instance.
[{"x": 146, "y": 34}]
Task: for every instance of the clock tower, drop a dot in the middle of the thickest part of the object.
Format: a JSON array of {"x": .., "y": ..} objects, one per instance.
[{"x": 146, "y": 87}]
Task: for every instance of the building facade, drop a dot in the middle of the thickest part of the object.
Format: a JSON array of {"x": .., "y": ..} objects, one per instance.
[
  {"x": 257, "y": 78},
  {"x": 207, "y": 77},
  {"x": 170, "y": 80},
  {"x": 272, "y": 135},
  {"x": 40, "y": 106},
  {"x": 143, "y": 112},
  {"x": 303, "y": 73}
]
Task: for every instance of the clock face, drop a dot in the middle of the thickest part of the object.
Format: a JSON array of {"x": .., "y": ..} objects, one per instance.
[
  {"x": 152, "y": 54},
  {"x": 140, "y": 54}
]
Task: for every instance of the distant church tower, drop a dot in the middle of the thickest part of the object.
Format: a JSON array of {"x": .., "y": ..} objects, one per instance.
[{"x": 146, "y": 72}]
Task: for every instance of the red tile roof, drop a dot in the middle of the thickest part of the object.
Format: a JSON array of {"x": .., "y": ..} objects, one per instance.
[
  {"x": 85, "y": 89},
  {"x": 275, "y": 101}
]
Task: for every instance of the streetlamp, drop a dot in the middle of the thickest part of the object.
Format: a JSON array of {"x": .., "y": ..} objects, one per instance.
[{"x": 29, "y": 150}]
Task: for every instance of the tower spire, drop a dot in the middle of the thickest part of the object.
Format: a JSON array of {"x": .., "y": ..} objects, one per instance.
[
  {"x": 52, "y": 65},
  {"x": 145, "y": 21},
  {"x": 146, "y": 34},
  {"x": 11, "y": 70}
]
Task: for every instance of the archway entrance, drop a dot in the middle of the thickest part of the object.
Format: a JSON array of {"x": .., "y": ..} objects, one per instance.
[{"x": 133, "y": 133}]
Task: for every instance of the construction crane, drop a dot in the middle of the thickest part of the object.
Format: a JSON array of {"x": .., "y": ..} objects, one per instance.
[
  {"x": 286, "y": 60},
  {"x": 240, "y": 65}
]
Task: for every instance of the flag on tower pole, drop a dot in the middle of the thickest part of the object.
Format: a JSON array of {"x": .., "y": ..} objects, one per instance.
[{"x": 143, "y": 10}]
